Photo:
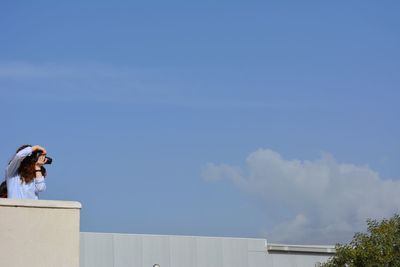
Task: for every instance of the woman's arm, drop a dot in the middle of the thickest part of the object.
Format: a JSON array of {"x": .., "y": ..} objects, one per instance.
[
  {"x": 40, "y": 184},
  {"x": 14, "y": 164}
]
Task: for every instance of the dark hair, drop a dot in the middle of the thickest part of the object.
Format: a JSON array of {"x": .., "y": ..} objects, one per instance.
[
  {"x": 3, "y": 190},
  {"x": 27, "y": 168}
]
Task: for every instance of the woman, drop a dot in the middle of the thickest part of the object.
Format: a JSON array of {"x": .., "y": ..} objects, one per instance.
[{"x": 25, "y": 172}]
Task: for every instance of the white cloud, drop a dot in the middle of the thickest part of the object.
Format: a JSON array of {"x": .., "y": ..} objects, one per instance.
[{"x": 326, "y": 200}]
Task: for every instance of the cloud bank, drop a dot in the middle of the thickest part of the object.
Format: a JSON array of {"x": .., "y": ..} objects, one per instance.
[{"x": 323, "y": 201}]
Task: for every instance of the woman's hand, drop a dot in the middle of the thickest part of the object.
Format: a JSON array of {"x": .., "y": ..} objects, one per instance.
[
  {"x": 41, "y": 161},
  {"x": 42, "y": 158},
  {"x": 36, "y": 148}
]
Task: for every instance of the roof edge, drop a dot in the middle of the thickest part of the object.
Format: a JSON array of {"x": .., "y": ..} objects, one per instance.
[
  {"x": 301, "y": 248},
  {"x": 29, "y": 203}
]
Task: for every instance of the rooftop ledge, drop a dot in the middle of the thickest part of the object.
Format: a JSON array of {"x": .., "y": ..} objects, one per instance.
[
  {"x": 51, "y": 204},
  {"x": 301, "y": 248}
]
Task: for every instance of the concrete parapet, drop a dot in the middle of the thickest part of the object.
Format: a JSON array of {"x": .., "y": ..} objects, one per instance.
[{"x": 39, "y": 233}]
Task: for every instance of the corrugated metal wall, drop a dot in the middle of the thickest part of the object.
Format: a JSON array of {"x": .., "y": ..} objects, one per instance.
[{"x": 126, "y": 250}]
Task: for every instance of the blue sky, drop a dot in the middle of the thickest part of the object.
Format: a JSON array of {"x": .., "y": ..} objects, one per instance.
[{"x": 161, "y": 116}]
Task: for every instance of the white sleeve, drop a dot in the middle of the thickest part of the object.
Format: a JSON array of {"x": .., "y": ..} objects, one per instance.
[
  {"x": 14, "y": 164},
  {"x": 40, "y": 185}
]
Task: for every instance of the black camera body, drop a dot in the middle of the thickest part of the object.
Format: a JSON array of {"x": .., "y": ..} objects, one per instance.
[{"x": 38, "y": 153}]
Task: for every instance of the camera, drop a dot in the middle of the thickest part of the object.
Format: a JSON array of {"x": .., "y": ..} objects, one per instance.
[{"x": 37, "y": 154}]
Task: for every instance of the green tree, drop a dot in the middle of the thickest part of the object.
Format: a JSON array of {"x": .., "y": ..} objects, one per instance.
[{"x": 380, "y": 246}]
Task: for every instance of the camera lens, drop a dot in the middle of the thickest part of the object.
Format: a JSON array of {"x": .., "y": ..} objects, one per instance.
[{"x": 49, "y": 160}]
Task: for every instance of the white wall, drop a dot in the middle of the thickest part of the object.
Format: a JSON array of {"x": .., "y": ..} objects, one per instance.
[
  {"x": 128, "y": 250},
  {"x": 39, "y": 233}
]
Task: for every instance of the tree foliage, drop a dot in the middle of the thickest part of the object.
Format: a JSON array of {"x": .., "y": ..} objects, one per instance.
[{"x": 380, "y": 246}]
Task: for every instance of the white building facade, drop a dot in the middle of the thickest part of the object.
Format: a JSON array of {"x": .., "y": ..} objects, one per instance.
[{"x": 128, "y": 250}]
